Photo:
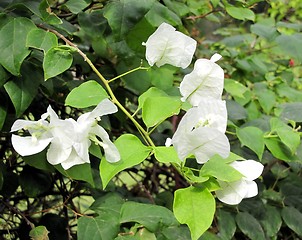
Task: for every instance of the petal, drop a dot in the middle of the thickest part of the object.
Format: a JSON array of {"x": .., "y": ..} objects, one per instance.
[
  {"x": 252, "y": 189},
  {"x": 167, "y": 46},
  {"x": 206, "y": 80},
  {"x": 111, "y": 152},
  {"x": 57, "y": 152},
  {"x": 72, "y": 160},
  {"x": 105, "y": 107},
  {"x": 202, "y": 142},
  {"x": 26, "y": 124},
  {"x": 26, "y": 146},
  {"x": 81, "y": 148},
  {"x": 231, "y": 193},
  {"x": 249, "y": 168},
  {"x": 215, "y": 57}
]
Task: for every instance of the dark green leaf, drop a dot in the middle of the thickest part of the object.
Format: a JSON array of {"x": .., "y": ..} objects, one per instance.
[
  {"x": 13, "y": 43},
  {"x": 22, "y": 90},
  {"x": 76, "y": 6},
  {"x": 235, "y": 110},
  {"x": 153, "y": 217},
  {"x": 252, "y": 137},
  {"x": 56, "y": 61},
  {"x": 38, "y": 161},
  {"x": 34, "y": 182},
  {"x": 290, "y": 45},
  {"x": 89, "y": 93},
  {"x": 160, "y": 13},
  {"x": 190, "y": 204},
  {"x": 41, "y": 39},
  {"x": 265, "y": 29},
  {"x": 250, "y": 226},
  {"x": 130, "y": 156},
  {"x": 226, "y": 224},
  {"x": 123, "y": 15},
  {"x": 292, "y": 111},
  {"x": 47, "y": 15},
  {"x": 265, "y": 96},
  {"x": 292, "y": 218},
  {"x": 272, "y": 221}
]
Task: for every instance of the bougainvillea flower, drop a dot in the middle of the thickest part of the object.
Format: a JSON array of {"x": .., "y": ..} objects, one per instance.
[
  {"x": 234, "y": 192},
  {"x": 69, "y": 139},
  {"x": 85, "y": 130},
  {"x": 201, "y": 131},
  {"x": 168, "y": 46},
  {"x": 206, "y": 80}
]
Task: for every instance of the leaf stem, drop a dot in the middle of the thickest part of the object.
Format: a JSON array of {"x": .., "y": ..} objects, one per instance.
[{"x": 126, "y": 73}]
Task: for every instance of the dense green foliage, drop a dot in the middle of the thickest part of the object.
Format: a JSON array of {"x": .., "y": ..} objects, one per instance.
[{"x": 43, "y": 61}]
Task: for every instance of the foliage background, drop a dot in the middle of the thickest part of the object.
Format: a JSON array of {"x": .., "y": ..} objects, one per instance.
[{"x": 260, "y": 42}]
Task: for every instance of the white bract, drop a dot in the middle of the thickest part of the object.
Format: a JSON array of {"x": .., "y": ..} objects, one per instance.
[
  {"x": 168, "y": 46},
  {"x": 69, "y": 139},
  {"x": 233, "y": 192},
  {"x": 201, "y": 131},
  {"x": 206, "y": 80}
]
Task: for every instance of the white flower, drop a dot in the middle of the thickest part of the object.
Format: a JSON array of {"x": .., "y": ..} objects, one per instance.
[
  {"x": 166, "y": 45},
  {"x": 233, "y": 192},
  {"x": 84, "y": 130},
  {"x": 201, "y": 131},
  {"x": 69, "y": 139},
  {"x": 206, "y": 80},
  {"x": 39, "y": 139}
]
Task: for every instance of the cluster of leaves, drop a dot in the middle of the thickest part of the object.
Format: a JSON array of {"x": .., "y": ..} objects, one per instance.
[{"x": 40, "y": 66}]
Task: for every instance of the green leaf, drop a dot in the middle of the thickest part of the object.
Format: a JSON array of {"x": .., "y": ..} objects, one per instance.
[
  {"x": 219, "y": 169},
  {"x": 250, "y": 226},
  {"x": 240, "y": 13},
  {"x": 41, "y": 39},
  {"x": 56, "y": 61},
  {"x": 272, "y": 221},
  {"x": 293, "y": 95},
  {"x": 39, "y": 161},
  {"x": 76, "y": 6},
  {"x": 47, "y": 15},
  {"x": 265, "y": 29},
  {"x": 226, "y": 224},
  {"x": 160, "y": 13},
  {"x": 286, "y": 134},
  {"x": 292, "y": 218},
  {"x": 279, "y": 150},
  {"x": 290, "y": 45},
  {"x": 235, "y": 88},
  {"x": 252, "y": 137},
  {"x": 97, "y": 228},
  {"x": 194, "y": 207},
  {"x": 123, "y": 15},
  {"x": 78, "y": 172},
  {"x": 265, "y": 97},
  {"x": 166, "y": 155},
  {"x": 39, "y": 233},
  {"x": 34, "y": 182},
  {"x": 130, "y": 156},
  {"x": 235, "y": 110},
  {"x": 162, "y": 77},
  {"x": 151, "y": 92},
  {"x": 89, "y": 93},
  {"x": 3, "y": 108},
  {"x": 153, "y": 217},
  {"x": 157, "y": 109},
  {"x": 13, "y": 43},
  {"x": 3, "y": 76},
  {"x": 22, "y": 90},
  {"x": 292, "y": 111}
]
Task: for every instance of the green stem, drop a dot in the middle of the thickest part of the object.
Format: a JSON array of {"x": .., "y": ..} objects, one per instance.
[{"x": 126, "y": 73}]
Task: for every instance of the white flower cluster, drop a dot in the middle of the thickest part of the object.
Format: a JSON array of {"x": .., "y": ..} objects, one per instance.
[
  {"x": 69, "y": 139},
  {"x": 201, "y": 131}
]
